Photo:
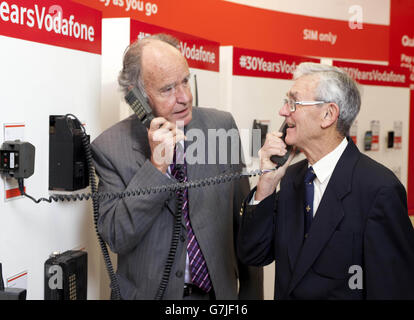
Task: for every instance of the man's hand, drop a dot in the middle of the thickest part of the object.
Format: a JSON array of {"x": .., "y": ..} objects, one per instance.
[
  {"x": 268, "y": 181},
  {"x": 162, "y": 137}
]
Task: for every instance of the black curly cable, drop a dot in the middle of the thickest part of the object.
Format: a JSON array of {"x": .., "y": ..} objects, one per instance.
[
  {"x": 98, "y": 196},
  {"x": 174, "y": 241},
  {"x": 116, "y": 295},
  {"x": 149, "y": 190}
]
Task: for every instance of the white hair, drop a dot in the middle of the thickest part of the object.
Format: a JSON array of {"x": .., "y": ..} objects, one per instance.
[
  {"x": 130, "y": 75},
  {"x": 335, "y": 85}
]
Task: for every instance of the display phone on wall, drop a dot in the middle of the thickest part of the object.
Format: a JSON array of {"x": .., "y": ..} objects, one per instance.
[
  {"x": 140, "y": 106},
  {"x": 281, "y": 160}
]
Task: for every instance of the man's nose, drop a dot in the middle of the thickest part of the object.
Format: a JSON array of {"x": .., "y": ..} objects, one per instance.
[
  {"x": 183, "y": 94},
  {"x": 284, "y": 111}
]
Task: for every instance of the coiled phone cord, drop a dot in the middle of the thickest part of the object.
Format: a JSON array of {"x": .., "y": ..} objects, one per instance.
[
  {"x": 175, "y": 238},
  {"x": 91, "y": 170},
  {"x": 97, "y": 196},
  {"x": 223, "y": 178}
]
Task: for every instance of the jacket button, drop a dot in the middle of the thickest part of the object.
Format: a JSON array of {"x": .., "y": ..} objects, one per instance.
[
  {"x": 179, "y": 274},
  {"x": 182, "y": 238}
]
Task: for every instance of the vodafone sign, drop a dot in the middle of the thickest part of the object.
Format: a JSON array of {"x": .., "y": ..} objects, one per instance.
[
  {"x": 254, "y": 63},
  {"x": 377, "y": 75},
  {"x": 406, "y": 41},
  {"x": 62, "y": 23},
  {"x": 402, "y": 36},
  {"x": 200, "y": 53}
]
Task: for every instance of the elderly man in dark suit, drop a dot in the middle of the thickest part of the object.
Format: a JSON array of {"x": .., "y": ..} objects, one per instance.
[
  {"x": 338, "y": 227},
  {"x": 203, "y": 223}
]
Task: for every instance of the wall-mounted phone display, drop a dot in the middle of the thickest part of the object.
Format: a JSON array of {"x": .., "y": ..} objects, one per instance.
[
  {"x": 66, "y": 276},
  {"x": 390, "y": 139},
  {"x": 68, "y": 169},
  {"x": 368, "y": 140},
  {"x": 375, "y": 129},
  {"x": 398, "y": 127},
  {"x": 263, "y": 127}
]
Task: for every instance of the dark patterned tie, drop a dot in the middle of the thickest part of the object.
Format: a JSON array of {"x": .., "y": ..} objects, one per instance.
[
  {"x": 199, "y": 272},
  {"x": 308, "y": 205}
]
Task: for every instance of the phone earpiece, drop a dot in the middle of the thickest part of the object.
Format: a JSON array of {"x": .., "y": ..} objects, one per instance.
[{"x": 139, "y": 104}]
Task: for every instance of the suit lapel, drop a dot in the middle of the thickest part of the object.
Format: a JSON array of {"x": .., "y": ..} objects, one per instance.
[
  {"x": 327, "y": 217},
  {"x": 140, "y": 143},
  {"x": 195, "y": 171},
  {"x": 329, "y": 214}
]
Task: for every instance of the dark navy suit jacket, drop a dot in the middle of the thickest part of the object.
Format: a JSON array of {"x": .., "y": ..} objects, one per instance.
[{"x": 360, "y": 244}]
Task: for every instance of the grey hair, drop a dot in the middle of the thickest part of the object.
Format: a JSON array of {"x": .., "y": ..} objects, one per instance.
[
  {"x": 130, "y": 75},
  {"x": 335, "y": 85}
]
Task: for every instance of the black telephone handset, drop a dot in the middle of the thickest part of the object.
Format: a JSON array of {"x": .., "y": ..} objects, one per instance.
[
  {"x": 140, "y": 106},
  {"x": 281, "y": 160}
]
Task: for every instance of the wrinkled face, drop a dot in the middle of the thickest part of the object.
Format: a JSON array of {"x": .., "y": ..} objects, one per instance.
[
  {"x": 304, "y": 123},
  {"x": 165, "y": 76}
]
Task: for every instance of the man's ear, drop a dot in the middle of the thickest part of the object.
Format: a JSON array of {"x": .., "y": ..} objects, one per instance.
[{"x": 330, "y": 115}]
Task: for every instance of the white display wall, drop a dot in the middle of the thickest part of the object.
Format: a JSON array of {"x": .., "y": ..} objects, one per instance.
[
  {"x": 387, "y": 105},
  {"x": 38, "y": 80}
]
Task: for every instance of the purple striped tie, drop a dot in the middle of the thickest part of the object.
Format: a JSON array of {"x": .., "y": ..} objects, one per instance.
[{"x": 198, "y": 267}]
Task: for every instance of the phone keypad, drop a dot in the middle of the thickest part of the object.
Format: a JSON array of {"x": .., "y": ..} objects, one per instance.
[{"x": 72, "y": 287}]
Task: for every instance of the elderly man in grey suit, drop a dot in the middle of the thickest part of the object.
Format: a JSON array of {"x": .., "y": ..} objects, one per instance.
[{"x": 140, "y": 229}]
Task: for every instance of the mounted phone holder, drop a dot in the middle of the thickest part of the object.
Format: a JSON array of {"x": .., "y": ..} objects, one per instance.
[
  {"x": 68, "y": 169},
  {"x": 17, "y": 159},
  {"x": 263, "y": 127},
  {"x": 10, "y": 293}
]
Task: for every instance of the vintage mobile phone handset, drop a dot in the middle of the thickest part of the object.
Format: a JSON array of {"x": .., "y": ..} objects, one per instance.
[
  {"x": 139, "y": 105},
  {"x": 281, "y": 160}
]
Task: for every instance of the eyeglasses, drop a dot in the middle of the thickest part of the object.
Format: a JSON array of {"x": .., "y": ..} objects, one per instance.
[
  {"x": 171, "y": 89},
  {"x": 292, "y": 104}
]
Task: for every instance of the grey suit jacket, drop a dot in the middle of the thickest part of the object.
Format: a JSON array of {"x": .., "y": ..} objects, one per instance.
[{"x": 139, "y": 229}]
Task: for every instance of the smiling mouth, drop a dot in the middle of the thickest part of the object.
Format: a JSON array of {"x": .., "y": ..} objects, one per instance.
[
  {"x": 291, "y": 125},
  {"x": 181, "y": 112}
]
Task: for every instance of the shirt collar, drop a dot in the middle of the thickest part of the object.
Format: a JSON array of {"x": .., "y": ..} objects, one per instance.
[{"x": 325, "y": 166}]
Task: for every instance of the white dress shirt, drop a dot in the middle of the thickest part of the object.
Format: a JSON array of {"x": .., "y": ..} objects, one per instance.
[{"x": 323, "y": 170}]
